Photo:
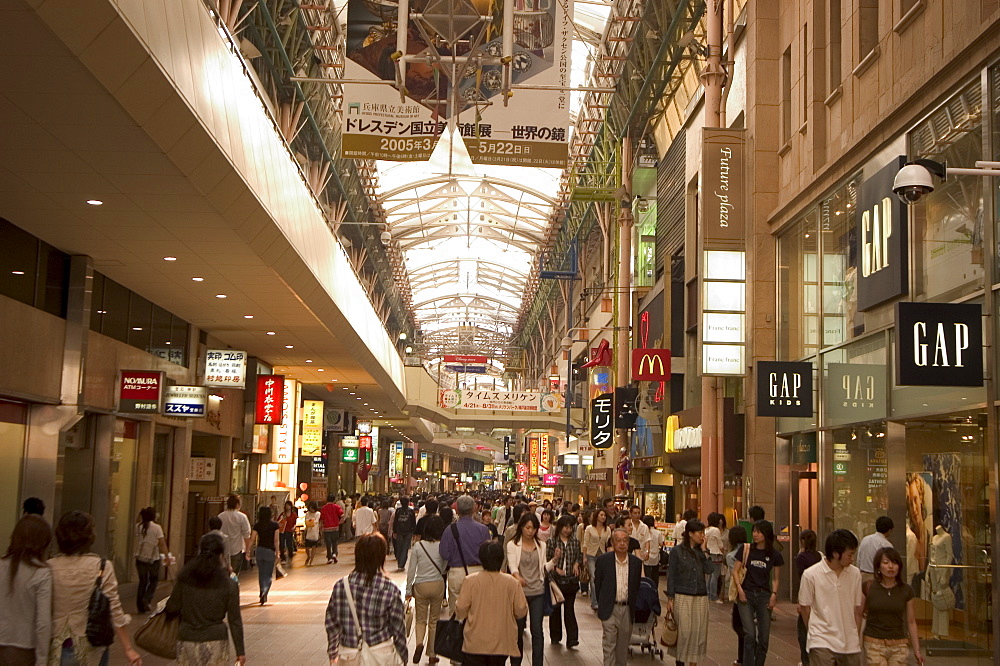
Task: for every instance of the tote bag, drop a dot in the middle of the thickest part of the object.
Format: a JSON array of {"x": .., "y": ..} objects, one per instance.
[{"x": 383, "y": 654}]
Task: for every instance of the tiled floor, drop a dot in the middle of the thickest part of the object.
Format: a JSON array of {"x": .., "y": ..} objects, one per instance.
[{"x": 289, "y": 629}]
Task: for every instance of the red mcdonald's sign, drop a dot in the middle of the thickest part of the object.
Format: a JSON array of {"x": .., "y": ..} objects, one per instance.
[{"x": 651, "y": 365}]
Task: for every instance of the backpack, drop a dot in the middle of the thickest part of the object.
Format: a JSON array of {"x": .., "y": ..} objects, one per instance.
[{"x": 405, "y": 521}]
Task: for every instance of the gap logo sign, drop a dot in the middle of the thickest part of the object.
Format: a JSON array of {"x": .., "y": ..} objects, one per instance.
[
  {"x": 939, "y": 344},
  {"x": 882, "y": 231},
  {"x": 784, "y": 389}
]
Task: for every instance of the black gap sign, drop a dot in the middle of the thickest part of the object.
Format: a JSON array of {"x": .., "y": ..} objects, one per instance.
[
  {"x": 784, "y": 389},
  {"x": 939, "y": 344},
  {"x": 882, "y": 230}
]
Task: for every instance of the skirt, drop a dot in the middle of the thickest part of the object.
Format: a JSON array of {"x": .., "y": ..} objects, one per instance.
[
  {"x": 205, "y": 653},
  {"x": 691, "y": 614}
]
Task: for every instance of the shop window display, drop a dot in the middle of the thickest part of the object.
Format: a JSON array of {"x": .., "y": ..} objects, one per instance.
[
  {"x": 860, "y": 477},
  {"x": 798, "y": 290}
]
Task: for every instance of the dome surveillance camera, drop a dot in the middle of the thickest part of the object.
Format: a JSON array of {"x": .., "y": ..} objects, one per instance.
[
  {"x": 912, "y": 182},
  {"x": 385, "y": 237}
]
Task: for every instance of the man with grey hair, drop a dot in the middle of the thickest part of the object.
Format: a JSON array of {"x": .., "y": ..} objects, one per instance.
[
  {"x": 460, "y": 547},
  {"x": 616, "y": 586}
]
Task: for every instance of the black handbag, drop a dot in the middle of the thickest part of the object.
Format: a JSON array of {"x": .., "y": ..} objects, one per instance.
[
  {"x": 450, "y": 639},
  {"x": 100, "y": 630}
]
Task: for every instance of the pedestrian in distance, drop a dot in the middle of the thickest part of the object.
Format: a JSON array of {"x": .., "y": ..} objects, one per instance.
[
  {"x": 651, "y": 567},
  {"x": 312, "y": 539},
  {"x": 616, "y": 585},
  {"x": 806, "y": 557},
  {"x": 207, "y": 600},
  {"x": 425, "y": 584},
  {"x": 26, "y": 596},
  {"x": 492, "y": 604},
  {"x": 716, "y": 548},
  {"x": 286, "y": 535},
  {"x": 404, "y": 523},
  {"x": 687, "y": 593},
  {"x": 870, "y": 545},
  {"x": 831, "y": 604},
  {"x": 331, "y": 518},
  {"x": 737, "y": 537},
  {"x": 595, "y": 539},
  {"x": 364, "y": 519},
  {"x": 236, "y": 527},
  {"x": 759, "y": 592},
  {"x": 265, "y": 532},
  {"x": 891, "y": 619},
  {"x": 150, "y": 547}
]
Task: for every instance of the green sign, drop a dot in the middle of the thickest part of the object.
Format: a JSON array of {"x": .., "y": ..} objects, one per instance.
[
  {"x": 348, "y": 454},
  {"x": 839, "y": 468}
]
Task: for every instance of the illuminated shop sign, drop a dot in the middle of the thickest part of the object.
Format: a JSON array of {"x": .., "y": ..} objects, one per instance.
[
  {"x": 602, "y": 422},
  {"x": 286, "y": 432},
  {"x": 533, "y": 453},
  {"x": 185, "y": 400},
  {"x": 140, "y": 392},
  {"x": 784, "y": 389},
  {"x": 312, "y": 428},
  {"x": 270, "y": 390},
  {"x": 882, "y": 239},
  {"x": 651, "y": 365},
  {"x": 855, "y": 392},
  {"x": 939, "y": 344},
  {"x": 225, "y": 367}
]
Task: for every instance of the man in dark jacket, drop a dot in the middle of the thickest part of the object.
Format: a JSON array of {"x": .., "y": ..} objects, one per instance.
[
  {"x": 404, "y": 522},
  {"x": 616, "y": 584}
]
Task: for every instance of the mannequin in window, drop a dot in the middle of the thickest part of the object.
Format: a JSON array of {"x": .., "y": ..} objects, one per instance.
[{"x": 942, "y": 596}]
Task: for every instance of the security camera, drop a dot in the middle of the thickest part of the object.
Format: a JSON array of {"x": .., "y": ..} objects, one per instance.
[
  {"x": 912, "y": 182},
  {"x": 385, "y": 237}
]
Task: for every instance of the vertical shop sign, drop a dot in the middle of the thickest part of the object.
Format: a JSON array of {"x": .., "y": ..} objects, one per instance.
[
  {"x": 392, "y": 461},
  {"x": 366, "y": 449},
  {"x": 140, "y": 392},
  {"x": 784, "y": 389},
  {"x": 533, "y": 453},
  {"x": 423, "y": 460},
  {"x": 285, "y": 433},
  {"x": 602, "y": 422},
  {"x": 398, "y": 455},
  {"x": 939, "y": 344},
  {"x": 522, "y": 473},
  {"x": 312, "y": 427},
  {"x": 882, "y": 239},
  {"x": 225, "y": 367},
  {"x": 270, "y": 389},
  {"x": 723, "y": 201},
  {"x": 543, "y": 454},
  {"x": 185, "y": 400}
]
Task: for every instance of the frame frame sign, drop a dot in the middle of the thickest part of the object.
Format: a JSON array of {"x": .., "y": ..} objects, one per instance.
[
  {"x": 140, "y": 392},
  {"x": 939, "y": 344},
  {"x": 185, "y": 401},
  {"x": 602, "y": 421},
  {"x": 784, "y": 389},
  {"x": 883, "y": 272}
]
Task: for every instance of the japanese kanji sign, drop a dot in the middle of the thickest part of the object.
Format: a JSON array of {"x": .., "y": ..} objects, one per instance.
[
  {"x": 312, "y": 428},
  {"x": 602, "y": 421},
  {"x": 533, "y": 454},
  {"x": 185, "y": 401},
  {"x": 225, "y": 367},
  {"x": 270, "y": 390},
  {"x": 140, "y": 392},
  {"x": 515, "y": 401}
]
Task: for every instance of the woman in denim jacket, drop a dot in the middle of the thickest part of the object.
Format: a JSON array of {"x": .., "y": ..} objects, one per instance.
[{"x": 687, "y": 593}]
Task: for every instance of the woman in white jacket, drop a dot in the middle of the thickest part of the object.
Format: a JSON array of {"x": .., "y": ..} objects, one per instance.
[{"x": 526, "y": 562}]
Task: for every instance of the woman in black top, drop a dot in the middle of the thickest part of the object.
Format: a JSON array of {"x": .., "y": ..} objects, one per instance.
[
  {"x": 759, "y": 592},
  {"x": 265, "y": 532},
  {"x": 204, "y": 596},
  {"x": 888, "y": 605},
  {"x": 687, "y": 593},
  {"x": 807, "y": 557}
]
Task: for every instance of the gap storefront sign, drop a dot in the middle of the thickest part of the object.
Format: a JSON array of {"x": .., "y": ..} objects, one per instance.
[
  {"x": 939, "y": 344},
  {"x": 881, "y": 240},
  {"x": 784, "y": 389}
]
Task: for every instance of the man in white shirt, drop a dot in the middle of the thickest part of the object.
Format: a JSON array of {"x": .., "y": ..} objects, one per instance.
[
  {"x": 871, "y": 544},
  {"x": 681, "y": 524},
  {"x": 832, "y": 605},
  {"x": 364, "y": 519},
  {"x": 236, "y": 527},
  {"x": 639, "y": 531}
]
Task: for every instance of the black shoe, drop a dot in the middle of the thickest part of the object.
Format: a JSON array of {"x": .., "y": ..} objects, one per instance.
[
  {"x": 556, "y": 641},
  {"x": 572, "y": 644},
  {"x": 417, "y": 653}
]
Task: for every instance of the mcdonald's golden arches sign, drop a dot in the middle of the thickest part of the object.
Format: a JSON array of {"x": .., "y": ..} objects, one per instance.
[{"x": 651, "y": 365}]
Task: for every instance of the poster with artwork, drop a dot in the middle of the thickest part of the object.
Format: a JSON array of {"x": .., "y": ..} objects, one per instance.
[{"x": 919, "y": 524}]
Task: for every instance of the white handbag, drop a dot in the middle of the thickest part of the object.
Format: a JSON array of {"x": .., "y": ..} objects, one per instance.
[{"x": 383, "y": 654}]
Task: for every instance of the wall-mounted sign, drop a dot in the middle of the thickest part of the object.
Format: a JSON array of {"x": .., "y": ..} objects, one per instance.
[
  {"x": 625, "y": 406},
  {"x": 855, "y": 392},
  {"x": 312, "y": 427},
  {"x": 522, "y": 473},
  {"x": 784, "y": 389},
  {"x": 140, "y": 392},
  {"x": 679, "y": 439},
  {"x": 651, "y": 365},
  {"x": 398, "y": 452},
  {"x": 185, "y": 400},
  {"x": 349, "y": 441},
  {"x": 883, "y": 268},
  {"x": 201, "y": 469},
  {"x": 349, "y": 454},
  {"x": 286, "y": 432},
  {"x": 423, "y": 461},
  {"x": 602, "y": 422},
  {"x": 939, "y": 344},
  {"x": 506, "y": 447},
  {"x": 516, "y": 401},
  {"x": 804, "y": 448},
  {"x": 225, "y": 367},
  {"x": 543, "y": 454},
  {"x": 270, "y": 389},
  {"x": 723, "y": 206},
  {"x": 723, "y": 317},
  {"x": 550, "y": 479},
  {"x": 335, "y": 420}
]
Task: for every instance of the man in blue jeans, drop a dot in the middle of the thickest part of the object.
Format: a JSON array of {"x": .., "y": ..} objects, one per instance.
[
  {"x": 404, "y": 522},
  {"x": 329, "y": 517}
]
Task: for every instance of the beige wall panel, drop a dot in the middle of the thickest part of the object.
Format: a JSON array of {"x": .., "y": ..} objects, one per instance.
[{"x": 32, "y": 351}]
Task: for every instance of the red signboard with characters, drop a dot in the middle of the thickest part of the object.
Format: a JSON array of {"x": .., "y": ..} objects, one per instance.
[
  {"x": 270, "y": 392},
  {"x": 140, "y": 392}
]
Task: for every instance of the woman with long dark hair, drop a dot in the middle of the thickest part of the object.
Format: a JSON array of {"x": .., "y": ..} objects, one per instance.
[
  {"x": 368, "y": 595},
  {"x": 716, "y": 549},
  {"x": 286, "y": 536},
  {"x": 526, "y": 562},
  {"x": 425, "y": 584},
  {"x": 563, "y": 552},
  {"x": 891, "y": 619},
  {"x": 149, "y": 546},
  {"x": 26, "y": 600},
  {"x": 687, "y": 593},
  {"x": 807, "y": 556},
  {"x": 204, "y": 597},
  {"x": 265, "y": 533},
  {"x": 759, "y": 592}
]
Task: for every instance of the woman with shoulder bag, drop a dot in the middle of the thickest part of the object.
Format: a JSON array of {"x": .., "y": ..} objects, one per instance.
[
  {"x": 364, "y": 619},
  {"x": 564, "y": 556},
  {"x": 758, "y": 593},
  {"x": 687, "y": 593},
  {"x": 492, "y": 604},
  {"x": 150, "y": 545},
  {"x": 425, "y": 584},
  {"x": 206, "y": 598},
  {"x": 26, "y": 599},
  {"x": 526, "y": 562}
]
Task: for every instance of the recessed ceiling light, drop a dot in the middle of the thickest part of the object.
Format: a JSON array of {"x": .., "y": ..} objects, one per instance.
[
  {"x": 167, "y": 342},
  {"x": 137, "y": 328},
  {"x": 357, "y": 398},
  {"x": 352, "y": 393},
  {"x": 320, "y": 370},
  {"x": 220, "y": 295},
  {"x": 333, "y": 380},
  {"x": 18, "y": 272},
  {"x": 289, "y": 346},
  {"x": 102, "y": 312},
  {"x": 365, "y": 404},
  {"x": 270, "y": 332},
  {"x": 169, "y": 258},
  {"x": 95, "y": 202},
  {"x": 309, "y": 360},
  {"x": 197, "y": 279}
]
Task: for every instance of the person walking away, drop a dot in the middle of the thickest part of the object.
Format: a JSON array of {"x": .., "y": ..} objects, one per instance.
[
  {"x": 715, "y": 547},
  {"x": 74, "y": 571},
  {"x": 364, "y": 519},
  {"x": 265, "y": 532},
  {"x": 425, "y": 584},
  {"x": 206, "y": 599},
  {"x": 286, "y": 535},
  {"x": 687, "y": 593},
  {"x": 330, "y": 520},
  {"x": 236, "y": 527},
  {"x": 460, "y": 546},
  {"x": 870, "y": 545},
  {"x": 26, "y": 599},
  {"x": 368, "y": 595},
  {"x": 311, "y": 520},
  {"x": 831, "y": 604},
  {"x": 526, "y": 561},
  {"x": 595, "y": 540},
  {"x": 651, "y": 567},
  {"x": 891, "y": 620},
  {"x": 33, "y": 506},
  {"x": 430, "y": 508},
  {"x": 806, "y": 557},
  {"x": 492, "y": 604},
  {"x": 737, "y": 537},
  {"x": 149, "y": 546},
  {"x": 616, "y": 586},
  {"x": 564, "y": 554},
  {"x": 385, "y": 514},
  {"x": 759, "y": 592},
  {"x": 403, "y": 525},
  {"x": 517, "y": 511}
]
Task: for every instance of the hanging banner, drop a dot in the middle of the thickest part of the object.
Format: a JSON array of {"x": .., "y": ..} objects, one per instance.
[
  {"x": 543, "y": 454},
  {"x": 522, "y": 401},
  {"x": 465, "y": 363},
  {"x": 312, "y": 428},
  {"x": 398, "y": 456},
  {"x": 140, "y": 392},
  {"x": 602, "y": 422},
  {"x": 286, "y": 432},
  {"x": 185, "y": 400},
  {"x": 881, "y": 247},
  {"x": 225, "y": 367},
  {"x": 722, "y": 189},
  {"x": 270, "y": 389}
]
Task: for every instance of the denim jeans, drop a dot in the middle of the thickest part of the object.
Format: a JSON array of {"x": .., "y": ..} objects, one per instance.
[
  {"x": 68, "y": 657},
  {"x": 591, "y": 563},
  {"x": 287, "y": 541},
  {"x": 330, "y": 538},
  {"x": 537, "y": 637},
  {"x": 149, "y": 576},
  {"x": 713, "y": 581},
  {"x": 756, "y": 619},
  {"x": 265, "y": 570},
  {"x": 803, "y": 635},
  {"x": 403, "y": 542}
]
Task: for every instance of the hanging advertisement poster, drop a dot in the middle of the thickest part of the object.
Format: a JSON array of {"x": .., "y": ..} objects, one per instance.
[
  {"x": 517, "y": 401},
  {"x": 312, "y": 427},
  {"x": 398, "y": 455},
  {"x": 225, "y": 367}
]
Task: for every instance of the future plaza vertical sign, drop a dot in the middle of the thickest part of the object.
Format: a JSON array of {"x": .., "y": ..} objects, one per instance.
[{"x": 723, "y": 246}]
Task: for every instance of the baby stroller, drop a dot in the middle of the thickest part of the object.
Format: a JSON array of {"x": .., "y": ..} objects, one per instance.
[{"x": 647, "y": 610}]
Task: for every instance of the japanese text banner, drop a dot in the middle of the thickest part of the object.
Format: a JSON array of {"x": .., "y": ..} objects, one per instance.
[{"x": 518, "y": 401}]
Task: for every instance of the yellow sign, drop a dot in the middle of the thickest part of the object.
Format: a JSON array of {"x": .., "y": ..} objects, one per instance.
[
  {"x": 312, "y": 428},
  {"x": 543, "y": 456},
  {"x": 533, "y": 453}
]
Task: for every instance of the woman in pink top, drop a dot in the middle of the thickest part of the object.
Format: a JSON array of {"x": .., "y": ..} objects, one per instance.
[{"x": 546, "y": 529}]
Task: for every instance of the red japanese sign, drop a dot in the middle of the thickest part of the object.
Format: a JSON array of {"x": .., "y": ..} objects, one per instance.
[
  {"x": 651, "y": 365},
  {"x": 522, "y": 473},
  {"x": 140, "y": 392},
  {"x": 270, "y": 392}
]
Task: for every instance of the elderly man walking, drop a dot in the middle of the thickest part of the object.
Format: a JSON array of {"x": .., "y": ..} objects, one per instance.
[{"x": 616, "y": 586}]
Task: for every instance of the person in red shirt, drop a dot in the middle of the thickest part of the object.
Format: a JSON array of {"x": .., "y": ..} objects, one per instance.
[
  {"x": 286, "y": 524},
  {"x": 329, "y": 518}
]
